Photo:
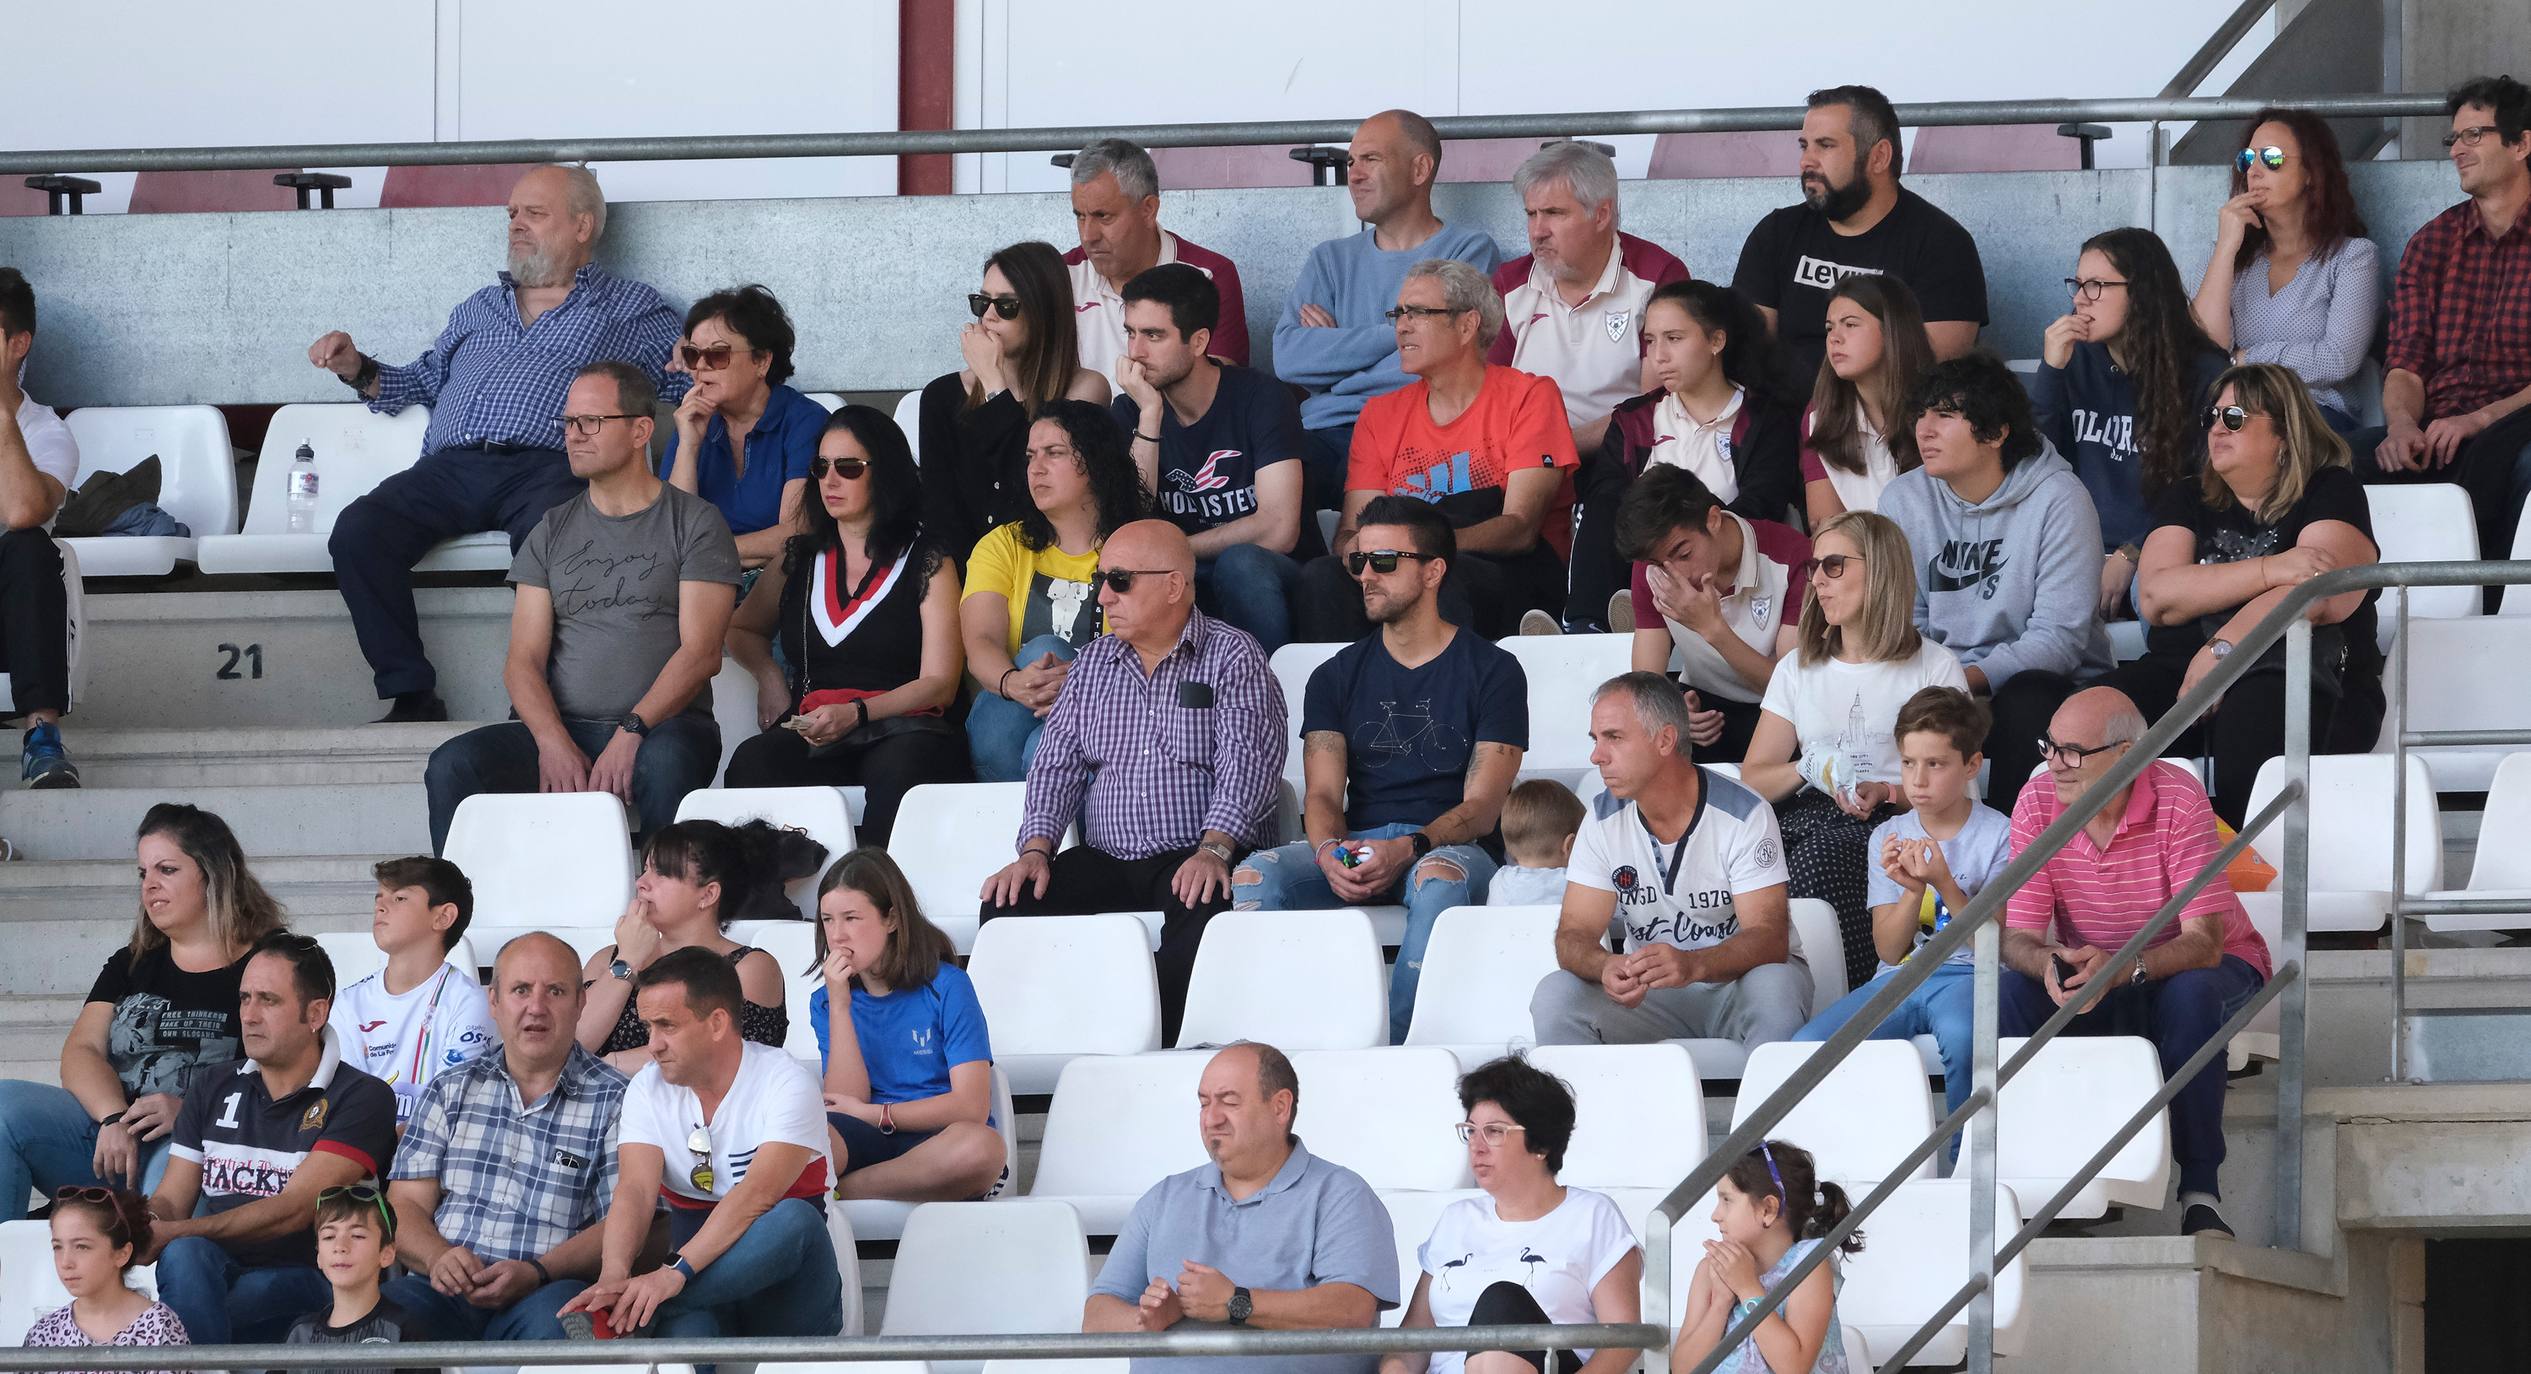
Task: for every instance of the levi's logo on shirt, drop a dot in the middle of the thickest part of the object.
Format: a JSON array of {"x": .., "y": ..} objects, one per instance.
[{"x": 1823, "y": 274}]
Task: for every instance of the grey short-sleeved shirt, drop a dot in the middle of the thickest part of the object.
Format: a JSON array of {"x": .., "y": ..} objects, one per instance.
[
  {"x": 614, "y": 583},
  {"x": 1315, "y": 1223}
]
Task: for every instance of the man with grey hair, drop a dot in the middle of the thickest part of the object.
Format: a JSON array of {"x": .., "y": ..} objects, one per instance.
[
  {"x": 2062, "y": 927},
  {"x": 1854, "y": 219},
  {"x": 1487, "y": 445},
  {"x": 1116, "y": 204},
  {"x": 1689, "y": 865},
  {"x": 492, "y": 458},
  {"x": 1334, "y": 338},
  {"x": 1573, "y": 306}
]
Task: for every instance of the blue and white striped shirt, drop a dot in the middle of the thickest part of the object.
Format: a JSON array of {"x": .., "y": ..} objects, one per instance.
[
  {"x": 516, "y": 1178},
  {"x": 490, "y": 379}
]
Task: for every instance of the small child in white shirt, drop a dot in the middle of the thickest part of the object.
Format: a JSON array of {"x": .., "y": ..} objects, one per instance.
[{"x": 1540, "y": 817}]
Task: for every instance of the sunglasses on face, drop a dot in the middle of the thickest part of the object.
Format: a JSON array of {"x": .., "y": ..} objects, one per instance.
[
  {"x": 1005, "y": 306},
  {"x": 2232, "y": 418},
  {"x": 700, "y": 1144},
  {"x": 711, "y": 359},
  {"x": 1831, "y": 567},
  {"x": 2072, "y": 755},
  {"x": 1121, "y": 580},
  {"x": 850, "y": 469},
  {"x": 1418, "y": 312},
  {"x": 1382, "y": 561},
  {"x": 2271, "y": 156},
  {"x": 366, "y": 1196}
]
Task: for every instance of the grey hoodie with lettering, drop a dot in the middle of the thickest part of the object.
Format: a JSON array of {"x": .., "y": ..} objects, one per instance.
[{"x": 2010, "y": 584}]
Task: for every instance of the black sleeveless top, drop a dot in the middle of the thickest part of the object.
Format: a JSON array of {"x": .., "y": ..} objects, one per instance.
[
  {"x": 762, "y": 1024},
  {"x": 865, "y": 638}
]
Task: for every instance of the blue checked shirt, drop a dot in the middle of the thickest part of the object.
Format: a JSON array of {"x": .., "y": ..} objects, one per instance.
[
  {"x": 490, "y": 379},
  {"x": 1151, "y": 761},
  {"x": 516, "y": 1178}
]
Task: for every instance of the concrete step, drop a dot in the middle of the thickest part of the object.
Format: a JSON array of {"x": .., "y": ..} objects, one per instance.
[
  {"x": 256, "y": 755},
  {"x": 31, "y": 1031},
  {"x": 62, "y": 919},
  {"x": 313, "y": 820}
]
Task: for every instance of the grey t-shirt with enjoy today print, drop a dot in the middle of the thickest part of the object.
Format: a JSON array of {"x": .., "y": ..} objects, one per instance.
[{"x": 614, "y": 580}]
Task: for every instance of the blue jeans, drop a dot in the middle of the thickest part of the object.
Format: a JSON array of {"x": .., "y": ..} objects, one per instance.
[
  {"x": 679, "y": 755},
  {"x": 48, "y": 1141},
  {"x": 1944, "y": 1006},
  {"x": 1250, "y": 588},
  {"x": 1287, "y": 878},
  {"x": 1001, "y": 733},
  {"x": 444, "y": 1318},
  {"x": 778, "y": 1280},
  {"x": 222, "y": 1302}
]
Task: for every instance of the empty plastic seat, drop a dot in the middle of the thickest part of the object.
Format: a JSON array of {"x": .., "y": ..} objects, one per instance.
[
  {"x": 1019, "y": 1266},
  {"x": 1766, "y": 153},
  {"x": 1563, "y": 671},
  {"x": 1817, "y": 938},
  {"x": 1994, "y": 148},
  {"x": 1480, "y": 970},
  {"x": 197, "y": 481},
  {"x": 2499, "y": 869},
  {"x": 2489, "y": 698},
  {"x": 486, "y": 183},
  {"x": 1298, "y": 980},
  {"x": 214, "y": 192},
  {"x": 908, "y": 414},
  {"x": 1386, "y": 1114},
  {"x": 355, "y": 451},
  {"x": 1639, "y": 1114},
  {"x": 1058, "y": 987},
  {"x": 831, "y": 401},
  {"x": 2062, "y": 1107},
  {"x": 75, "y": 623},
  {"x": 949, "y": 838},
  {"x": 1860, "y": 1121},
  {"x": 1116, "y": 1127},
  {"x": 819, "y": 811},
  {"x": 1915, "y": 1256},
  {"x": 793, "y": 946},
  {"x": 2350, "y": 838},
  {"x": 550, "y": 861},
  {"x": 2427, "y": 522}
]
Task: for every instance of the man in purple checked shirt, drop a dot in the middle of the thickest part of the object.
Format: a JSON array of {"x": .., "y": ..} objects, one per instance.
[{"x": 1166, "y": 745}]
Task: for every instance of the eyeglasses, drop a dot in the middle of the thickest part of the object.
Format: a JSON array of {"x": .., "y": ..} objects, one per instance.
[
  {"x": 587, "y": 426},
  {"x": 2232, "y": 418},
  {"x": 850, "y": 469},
  {"x": 2471, "y": 135},
  {"x": 1005, "y": 306},
  {"x": 1420, "y": 312},
  {"x": 2089, "y": 288},
  {"x": 2072, "y": 755},
  {"x": 1382, "y": 561},
  {"x": 1495, "y": 1132},
  {"x": 701, "y": 1175},
  {"x": 1121, "y": 580},
  {"x": 1831, "y": 567},
  {"x": 2271, "y": 155},
  {"x": 364, "y": 1194},
  {"x": 711, "y": 359}
]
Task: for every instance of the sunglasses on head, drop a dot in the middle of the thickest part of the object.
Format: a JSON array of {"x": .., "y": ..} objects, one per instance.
[
  {"x": 2232, "y": 418},
  {"x": 102, "y": 1197},
  {"x": 2271, "y": 155},
  {"x": 366, "y": 1196},
  {"x": 1831, "y": 567},
  {"x": 1382, "y": 561},
  {"x": 1121, "y": 580},
  {"x": 1005, "y": 306},
  {"x": 850, "y": 469},
  {"x": 701, "y": 1175},
  {"x": 711, "y": 359}
]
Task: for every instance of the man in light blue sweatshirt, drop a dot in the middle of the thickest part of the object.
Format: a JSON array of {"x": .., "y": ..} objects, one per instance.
[
  {"x": 1335, "y": 337},
  {"x": 2007, "y": 550}
]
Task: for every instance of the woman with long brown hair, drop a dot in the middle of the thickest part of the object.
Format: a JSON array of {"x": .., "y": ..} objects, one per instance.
[{"x": 1855, "y": 438}]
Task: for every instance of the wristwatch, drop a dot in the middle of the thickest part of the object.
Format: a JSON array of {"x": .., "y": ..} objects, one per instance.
[
  {"x": 2136, "y": 979},
  {"x": 1421, "y": 841},
  {"x": 678, "y": 1263},
  {"x": 633, "y": 724},
  {"x": 1241, "y": 1306},
  {"x": 2219, "y": 648},
  {"x": 621, "y": 970}
]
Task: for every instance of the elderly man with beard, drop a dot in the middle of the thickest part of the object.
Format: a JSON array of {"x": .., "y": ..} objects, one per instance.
[{"x": 492, "y": 458}]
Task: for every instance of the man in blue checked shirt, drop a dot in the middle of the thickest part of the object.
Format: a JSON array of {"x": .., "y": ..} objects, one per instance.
[{"x": 492, "y": 458}]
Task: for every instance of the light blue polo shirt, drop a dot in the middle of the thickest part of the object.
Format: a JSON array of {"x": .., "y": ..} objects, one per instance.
[{"x": 1315, "y": 1223}]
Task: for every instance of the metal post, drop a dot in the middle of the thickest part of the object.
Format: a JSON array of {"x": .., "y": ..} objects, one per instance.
[
  {"x": 2399, "y": 845},
  {"x": 1984, "y": 1022},
  {"x": 2286, "y": 1227}
]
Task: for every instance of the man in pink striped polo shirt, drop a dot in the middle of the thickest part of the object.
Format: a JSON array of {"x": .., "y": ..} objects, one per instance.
[{"x": 2141, "y": 848}]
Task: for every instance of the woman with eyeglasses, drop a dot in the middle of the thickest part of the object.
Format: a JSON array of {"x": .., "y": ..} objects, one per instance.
[
  {"x": 164, "y": 1005},
  {"x": 1826, "y": 748},
  {"x": 865, "y": 610},
  {"x": 1030, "y": 601},
  {"x": 2122, "y": 378},
  {"x": 1855, "y": 438},
  {"x": 2278, "y": 505},
  {"x": 98, "y": 1235},
  {"x": 1773, "y": 1210},
  {"x": 694, "y": 875},
  {"x": 2293, "y": 280},
  {"x": 1023, "y": 354},
  {"x": 909, "y": 1066},
  {"x": 742, "y": 440},
  {"x": 1528, "y": 1251}
]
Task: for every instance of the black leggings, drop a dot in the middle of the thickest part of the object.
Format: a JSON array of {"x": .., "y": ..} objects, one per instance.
[
  {"x": 884, "y": 769},
  {"x": 1505, "y": 1303},
  {"x": 2248, "y": 727}
]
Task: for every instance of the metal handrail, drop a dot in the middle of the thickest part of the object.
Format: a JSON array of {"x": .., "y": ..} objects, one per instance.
[
  {"x": 903, "y": 142},
  {"x": 2217, "y": 46}
]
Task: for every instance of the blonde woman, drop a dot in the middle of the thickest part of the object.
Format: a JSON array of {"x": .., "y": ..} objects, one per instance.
[
  {"x": 2277, "y": 505},
  {"x": 1826, "y": 748}
]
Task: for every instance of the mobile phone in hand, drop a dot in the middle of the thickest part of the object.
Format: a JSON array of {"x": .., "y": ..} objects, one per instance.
[{"x": 2064, "y": 970}]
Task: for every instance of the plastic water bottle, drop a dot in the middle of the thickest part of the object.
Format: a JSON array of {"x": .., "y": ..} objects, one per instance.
[{"x": 302, "y": 491}]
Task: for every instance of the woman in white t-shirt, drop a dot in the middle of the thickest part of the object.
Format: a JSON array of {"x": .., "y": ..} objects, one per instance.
[
  {"x": 1826, "y": 748},
  {"x": 1530, "y": 1251},
  {"x": 1855, "y": 437}
]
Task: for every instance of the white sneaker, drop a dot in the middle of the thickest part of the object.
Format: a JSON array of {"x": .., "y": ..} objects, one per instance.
[
  {"x": 1539, "y": 623},
  {"x": 1621, "y": 613}
]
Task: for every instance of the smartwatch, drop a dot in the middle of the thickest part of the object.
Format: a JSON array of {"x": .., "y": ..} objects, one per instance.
[
  {"x": 1242, "y": 1306},
  {"x": 1421, "y": 841},
  {"x": 678, "y": 1263},
  {"x": 632, "y": 724}
]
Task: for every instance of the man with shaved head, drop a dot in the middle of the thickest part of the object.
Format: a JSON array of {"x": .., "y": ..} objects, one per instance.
[
  {"x": 1166, "y": 747},
  {"x": 2062, "y": 926},
  {"x": 502, "y": 1182}
]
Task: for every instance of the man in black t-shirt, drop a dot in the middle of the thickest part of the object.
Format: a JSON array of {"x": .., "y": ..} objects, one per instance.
[
  {"x": 1856, "y": 219},
  {"x": 1219, "y": 445}
]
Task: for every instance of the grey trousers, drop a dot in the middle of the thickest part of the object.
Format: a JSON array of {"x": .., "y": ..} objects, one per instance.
[{"x": 1766, "y": 1004}]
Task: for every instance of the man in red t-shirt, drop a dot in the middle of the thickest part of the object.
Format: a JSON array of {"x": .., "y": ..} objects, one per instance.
[{"x": 1488, "y": 445}]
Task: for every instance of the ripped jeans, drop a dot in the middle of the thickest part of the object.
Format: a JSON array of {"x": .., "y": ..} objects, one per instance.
[{"x": 1288, "y": 878}]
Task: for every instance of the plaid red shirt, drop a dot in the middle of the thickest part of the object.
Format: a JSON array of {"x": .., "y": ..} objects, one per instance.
[{"x": 2460, "y": 315}]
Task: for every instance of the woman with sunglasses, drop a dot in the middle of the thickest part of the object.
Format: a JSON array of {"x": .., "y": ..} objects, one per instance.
[
  {"x": 865, "y": 611},
  {"x": 2122, "y": 378},
  {"x": 1022, "y": 355},
  {"x": 1528, "y": 1251},
  {"x": 2293, "y": 280},
  {"x": 742, "y": 440},
  {"x": 2278, "y": 505},
  {"x": 164, "y": 1005},
  {"x": 1855, "y": 437},
  {"x": 1030, "y": 602},
  {"x": 694, "y": 876},
  {"x": 98, "y": 1235},
  {"x": 1826, "y": 747}
]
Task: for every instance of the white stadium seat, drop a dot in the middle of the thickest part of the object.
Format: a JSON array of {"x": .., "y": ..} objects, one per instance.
[
  {"x": 949, "y": 838},
  {"x": 1480, "y": 969},
  {"x": 2426, "y": 522},
  {"x": 355, "y": 955},
  {"x": 355, "y": 451},
  {"x": 197, "y": 480},
  {"x": 2489, "y": 698},
  {"x": 76, "y": 626},
  {"x": 909, "y": 416},
  {"x": 1639, "y": 1114},
  {"x": 847, "y": 1266},
  {"x": 543, "y": 861},
  {"x": 827, "y": 399},
  {"x": 1017, "y": 1266},
  {"x": 1386, "y": 1114},
  {"x": 1117, "y": 1126},
  {"x": 2498, "y": 869},
  {"x": 28, "y": 1286},
  {"x": 1914, "y": 1257},
  {"x": 2063, "y": 1105},
  {"x": 1298, "y": 980},
  {"x": 2350, "y": 839},
  {"x": 1860, "y": 1121},
  {"x": 1047, "y": 1366},
  {"x": 820, "y": 812},
  {"x": 1563, "y": 671},
  {"x": 1292, "y": 665},
  {"x": 1822, "y": 947},
  {"x": 793, "y": 946},
  {"x": 1058, "y": 987}
]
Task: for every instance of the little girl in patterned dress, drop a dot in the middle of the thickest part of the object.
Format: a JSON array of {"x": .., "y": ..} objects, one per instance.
[{"x": 97, "y": 1234}]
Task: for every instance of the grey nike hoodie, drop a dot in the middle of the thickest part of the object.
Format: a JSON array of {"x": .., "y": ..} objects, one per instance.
[{"x": 2010, "y": 584}]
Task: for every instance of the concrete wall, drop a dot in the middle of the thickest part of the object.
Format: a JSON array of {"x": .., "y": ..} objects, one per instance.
[{"x": 2446, "y": 42}]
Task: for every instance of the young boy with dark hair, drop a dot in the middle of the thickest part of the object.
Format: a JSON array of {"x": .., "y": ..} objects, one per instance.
[
  {"x": 1540, "y": 818},
  {"x": 420, "y": 1014},
  {"x": 355, "y": 1247}
]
